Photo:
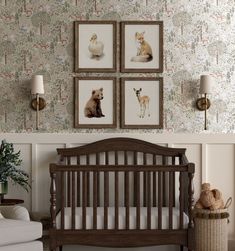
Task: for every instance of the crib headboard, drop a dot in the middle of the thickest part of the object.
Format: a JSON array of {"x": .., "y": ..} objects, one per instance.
[
  {"x": 128, "y": 152},
  {"x": 121, "y": 144}
]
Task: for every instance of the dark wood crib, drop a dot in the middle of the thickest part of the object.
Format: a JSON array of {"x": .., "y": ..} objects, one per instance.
[{"x": 122, "y": 192}]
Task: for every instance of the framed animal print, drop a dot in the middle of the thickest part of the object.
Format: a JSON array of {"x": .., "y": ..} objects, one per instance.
[
  {"x": 142, "y": 103},
  {"x": 95, "y": 102},
  {"x": 142, "y": 46},
  {"x": 95, "y": 46}
]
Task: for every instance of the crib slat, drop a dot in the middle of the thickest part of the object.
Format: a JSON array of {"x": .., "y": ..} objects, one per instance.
[
  {"x": 127, "y": 196},
  {"x": 173, "y": 163},
  {"x": 125, "y": 158},
  {"x": 84, "y": 199},
  {"x": 135, "y": 178},
  {"x": 88, "y": 180},
  {"x": 116, "y": 158},
  {"x": 159, "y": 200},
  {"x": 170, "y": 198},
  {"x": 78, "y": 184},
  {"x": 116, "y": 200},
  {"x": 181, "y": 200},
  {"x": 154, "y": 184},
  {"x": 127, "y": 200},
  {"x": 116, "y": 193},
  {"x": 73, "y": 200},
  {"x": 126, "y": 174},
  {"x": 164, "y": 182},
  {"x": 145, "y": 183},
  {"x": 138, "y": 200},
  {"x": 69, "y": 184},
  {"x": 95, "y": 200},
  {"x": 98, "y": 180},
  {"x": 62, "y": 200},
  {"x": 106, "y": 192},
  {"x": 149, "y": 200}
]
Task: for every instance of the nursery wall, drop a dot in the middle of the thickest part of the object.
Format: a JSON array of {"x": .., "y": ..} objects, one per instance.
[{"x": 36, "y": 37}]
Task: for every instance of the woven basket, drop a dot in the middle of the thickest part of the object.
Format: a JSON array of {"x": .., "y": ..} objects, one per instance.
[{"x": 211, "y": 229}]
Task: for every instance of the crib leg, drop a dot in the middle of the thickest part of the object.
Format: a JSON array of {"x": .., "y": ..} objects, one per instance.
[
  {"x": 52, "y": 247},
  {"x": 61, "y": 248},
  {"x": 181, "y": 248}
]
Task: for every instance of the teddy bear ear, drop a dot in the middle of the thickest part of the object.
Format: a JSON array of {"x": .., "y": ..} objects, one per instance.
[
  {"x": 206, "y": 186},
  {"x": 93, "y": 92},
  {"x": 101, "y": 89},
  {"x": 217, "y": 194}
]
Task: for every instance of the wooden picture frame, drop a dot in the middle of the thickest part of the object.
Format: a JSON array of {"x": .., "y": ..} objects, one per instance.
[
  {"x": 133, "y": 93},
  {"x": 95, "y": 102},
  {"x": 95, "y": 47},
  {"x": 148, "y": 55}
]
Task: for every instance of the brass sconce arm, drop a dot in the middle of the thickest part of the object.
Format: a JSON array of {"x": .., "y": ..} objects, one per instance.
[
  {"x": 38, "y": 104},
  {"x": 203, "y": 104}
]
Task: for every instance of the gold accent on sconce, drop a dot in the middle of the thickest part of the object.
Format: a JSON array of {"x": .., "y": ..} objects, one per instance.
[
  {"x": 42, "y": 104},
  {"x": 38, "y": 104},
  {"x": 203, "y": 104}
]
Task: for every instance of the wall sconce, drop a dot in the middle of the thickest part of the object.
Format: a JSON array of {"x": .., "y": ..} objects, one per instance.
[
  {"x": 203, "y": 104},
  {"x": 38, "y": 103}
]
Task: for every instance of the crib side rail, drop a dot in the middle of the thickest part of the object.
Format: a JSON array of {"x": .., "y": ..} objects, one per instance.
[{"x": 73, "y": 192}]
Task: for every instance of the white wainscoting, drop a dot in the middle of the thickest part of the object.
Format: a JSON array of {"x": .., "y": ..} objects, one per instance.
[{"x": 213, "y": 154}]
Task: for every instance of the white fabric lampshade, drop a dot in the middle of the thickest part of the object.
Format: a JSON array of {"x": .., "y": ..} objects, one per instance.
[
  {"x": 37, "y": 86},
  {"x": 206, "y": 82}
]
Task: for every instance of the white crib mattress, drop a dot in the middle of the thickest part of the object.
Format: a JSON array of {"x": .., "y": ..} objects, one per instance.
[{"x": 122, "y": 218}]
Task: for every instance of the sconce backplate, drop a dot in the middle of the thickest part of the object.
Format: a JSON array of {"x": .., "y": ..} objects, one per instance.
[
  {"x": 202, "y": 104},
  {"x": 42, "y": 104}
]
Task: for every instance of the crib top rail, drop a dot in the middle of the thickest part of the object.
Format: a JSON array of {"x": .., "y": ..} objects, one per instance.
[
  {"x": 189, "y": 168},
  {"x": 123, "y": 144}
]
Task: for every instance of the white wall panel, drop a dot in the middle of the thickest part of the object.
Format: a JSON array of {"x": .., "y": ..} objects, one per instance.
[
  {"x": 46, "y": 154},
  {"x": 220, "y": 173}
]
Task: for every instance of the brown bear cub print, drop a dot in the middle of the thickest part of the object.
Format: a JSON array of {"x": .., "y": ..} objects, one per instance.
[{"x": 93, "y": 105}]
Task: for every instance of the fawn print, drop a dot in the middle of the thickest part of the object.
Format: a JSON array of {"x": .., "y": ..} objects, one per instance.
[{"x": 143, "y": 102}]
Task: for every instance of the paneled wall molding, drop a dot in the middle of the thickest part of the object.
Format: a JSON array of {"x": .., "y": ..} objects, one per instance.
[
  {"x": 170, "y": 138},
  {"x": 213, "y": 154}
]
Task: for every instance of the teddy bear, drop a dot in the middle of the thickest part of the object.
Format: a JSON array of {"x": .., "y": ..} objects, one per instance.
[
  {"x": 210, "y": 199},
  {"x": 93, "y": 105}
]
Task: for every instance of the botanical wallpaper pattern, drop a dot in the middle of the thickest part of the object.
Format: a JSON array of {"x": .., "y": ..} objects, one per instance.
[{"x": 36, "y": 37}]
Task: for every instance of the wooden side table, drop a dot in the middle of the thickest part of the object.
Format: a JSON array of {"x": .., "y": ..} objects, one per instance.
[{"x": 10, "y": 202}]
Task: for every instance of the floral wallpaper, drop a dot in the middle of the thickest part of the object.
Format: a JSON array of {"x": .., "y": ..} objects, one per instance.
[{"x": 36, "y": 37}]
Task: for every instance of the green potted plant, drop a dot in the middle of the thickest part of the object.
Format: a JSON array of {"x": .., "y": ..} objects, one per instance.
[{"x": 9, "y": 168}]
